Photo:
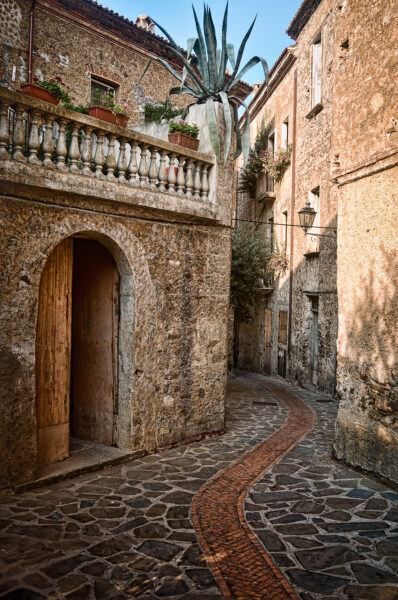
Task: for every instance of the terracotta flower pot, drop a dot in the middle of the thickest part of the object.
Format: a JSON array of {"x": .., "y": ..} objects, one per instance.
[
  {"x": 99, "y": 112},
  {"x": 35, "y": 91},
  {"x": 182, "y": 139}
]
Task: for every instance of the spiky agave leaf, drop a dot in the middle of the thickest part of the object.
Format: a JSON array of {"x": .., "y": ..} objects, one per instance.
[
  {"x": 211, "y": 43},
  {"x": 244, "y": 137},
  {"x": 228, "y": 124},
  {"x": 249, "y": 65},
  {"x": 200, "y": 51},
  {"x": 190, "y": 45},
  {"x": 175, "y": 49},
  {"x": 242, "y": 49},
  {"x": 213, "y": 127},
  {"x": 224, "y": 50}
]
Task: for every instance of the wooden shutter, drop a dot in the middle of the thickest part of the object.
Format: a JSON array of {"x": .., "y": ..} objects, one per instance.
[
  {"x": 282, "y": 337},
  {"x": 53, "y": 351},
  {"x": 317, "y": 72}
]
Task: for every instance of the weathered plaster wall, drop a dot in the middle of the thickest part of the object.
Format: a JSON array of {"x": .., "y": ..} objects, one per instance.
[
  {"x": 76, "y": 51},
  {"x": 316, "y": 272},
  {"x": 180, "y": 290},
  {"x": 367, "y": 423},
  {"x": 367, "y": 375}
]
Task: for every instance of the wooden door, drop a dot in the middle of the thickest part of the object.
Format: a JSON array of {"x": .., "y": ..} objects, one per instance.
[
  {"x": 267, "y": 341},
  {"x": 94, "y": 342},
  {"x": 53, "y": 350}
]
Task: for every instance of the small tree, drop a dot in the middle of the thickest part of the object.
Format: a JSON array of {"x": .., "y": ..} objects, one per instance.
[{"x": 251, "y": 253}]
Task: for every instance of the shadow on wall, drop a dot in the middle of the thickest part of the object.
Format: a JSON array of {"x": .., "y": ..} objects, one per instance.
[{"x": 367, "y": 422}]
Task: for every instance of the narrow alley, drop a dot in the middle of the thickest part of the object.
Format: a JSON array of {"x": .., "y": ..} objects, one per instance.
[{"x": 263, "y": 511}]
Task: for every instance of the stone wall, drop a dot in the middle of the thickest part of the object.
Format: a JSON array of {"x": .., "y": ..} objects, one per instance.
[
  {"x": 367, "y": 423},
  {"x": 180, "y": 280},
  {"x": 314, "y": 262},
  {"x": 75, "y": 50},
  {"x": 270, "y": 114}
]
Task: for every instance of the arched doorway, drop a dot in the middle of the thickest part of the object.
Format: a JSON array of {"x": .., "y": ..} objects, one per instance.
[{"x": 77, "y": 348}]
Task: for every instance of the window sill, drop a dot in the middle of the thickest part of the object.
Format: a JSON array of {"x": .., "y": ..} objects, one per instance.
[{"x": 314, "y": 110}]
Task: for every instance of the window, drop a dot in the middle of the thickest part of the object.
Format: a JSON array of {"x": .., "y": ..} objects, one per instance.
[
  {"x": 316, "y": 71},
  {"x": 271, "y": 142},
  {"x": 282, "y": 334},
  {"x": 285, "y": 133},
  {"x": 102, "y": 86}
]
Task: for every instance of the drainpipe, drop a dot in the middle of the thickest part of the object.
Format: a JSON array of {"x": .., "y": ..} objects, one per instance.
[
  {"x": 30, "y": 48},
  {"x": 292, "y": 215}
]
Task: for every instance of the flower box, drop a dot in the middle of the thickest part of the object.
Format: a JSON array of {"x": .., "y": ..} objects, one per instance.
[
  {"x": 36, "y": 91},
  {"x": 99, "y": 112},
  {"x": 182, "y": 139}
]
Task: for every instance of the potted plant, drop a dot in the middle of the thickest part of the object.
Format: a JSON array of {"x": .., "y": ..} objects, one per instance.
[
  {"x": 184, "y": 134},
  {"x": 104, "y": 106},
  {"x": 49, "y": 91}
]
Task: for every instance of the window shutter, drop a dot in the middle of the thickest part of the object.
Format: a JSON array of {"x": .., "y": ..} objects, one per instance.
[
  {"x": 316, "y": 73},
  {"x": 282, "y": 337}
]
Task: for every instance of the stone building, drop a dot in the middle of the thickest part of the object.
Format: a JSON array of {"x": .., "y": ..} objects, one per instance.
[
  {"x": 337, "y": 86},
  {"x": 294, "y": 334},
  {"x": 115, "y": 250},
  {"x": 365, "y": 156}
]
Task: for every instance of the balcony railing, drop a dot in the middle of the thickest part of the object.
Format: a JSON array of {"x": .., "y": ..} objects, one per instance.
[{"x": 53, "y": 138}]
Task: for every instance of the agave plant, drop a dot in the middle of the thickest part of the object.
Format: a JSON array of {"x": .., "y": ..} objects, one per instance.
[{"x": 205, "y": 66}]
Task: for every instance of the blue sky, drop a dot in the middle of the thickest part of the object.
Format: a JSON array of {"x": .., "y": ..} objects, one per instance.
[{"x": 268, "y": 37}]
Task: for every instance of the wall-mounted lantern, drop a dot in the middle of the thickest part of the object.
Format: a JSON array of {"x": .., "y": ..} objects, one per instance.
[{"x": 307, "y": 217}]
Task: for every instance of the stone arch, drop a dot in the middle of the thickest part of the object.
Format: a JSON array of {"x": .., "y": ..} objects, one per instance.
[{"x": 137, "y": 298}]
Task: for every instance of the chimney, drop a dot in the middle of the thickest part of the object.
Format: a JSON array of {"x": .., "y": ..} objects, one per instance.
[
  {"x": 146, "y": 23},
  {"x": 256, "y": 87}
]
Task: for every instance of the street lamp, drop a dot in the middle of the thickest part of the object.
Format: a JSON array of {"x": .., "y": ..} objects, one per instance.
[{"x": 307, "y": 217}]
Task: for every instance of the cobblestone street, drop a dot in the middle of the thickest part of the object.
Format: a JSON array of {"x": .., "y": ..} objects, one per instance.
[{"x": 281, "y": 519}]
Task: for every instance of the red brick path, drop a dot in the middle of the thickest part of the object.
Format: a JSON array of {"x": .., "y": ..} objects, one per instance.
[{"x": 239, "y": 562}]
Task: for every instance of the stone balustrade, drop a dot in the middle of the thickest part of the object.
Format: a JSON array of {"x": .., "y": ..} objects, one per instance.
[{"x": 54, "y": 138}]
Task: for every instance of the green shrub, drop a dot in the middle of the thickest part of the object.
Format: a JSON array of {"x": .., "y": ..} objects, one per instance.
[
  {"x": 156, "y": 112},
  {"x": 251, "y": 253}
]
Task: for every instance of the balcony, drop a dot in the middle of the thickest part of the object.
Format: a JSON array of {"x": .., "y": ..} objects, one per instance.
[
  {"x": 52, "y": 148},
  {"x": 265, "y": 187}
]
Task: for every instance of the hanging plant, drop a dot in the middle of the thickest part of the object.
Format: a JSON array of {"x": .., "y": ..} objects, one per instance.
[
  {"x": 254, "y": 165},
  {"x": 209, "y": 82},
  {"x": 279, "y": 262},
  {"x": 275, "y": 164}
]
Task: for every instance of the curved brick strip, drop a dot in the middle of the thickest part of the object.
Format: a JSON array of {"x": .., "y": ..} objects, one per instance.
[{"x": 241, "y": 566}]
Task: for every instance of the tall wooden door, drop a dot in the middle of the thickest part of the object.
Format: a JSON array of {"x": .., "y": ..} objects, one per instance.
[
  {"x": 53, "y": 350},
  {"x": 267, "y": 341},
  {"x": 94, "y": 342}
]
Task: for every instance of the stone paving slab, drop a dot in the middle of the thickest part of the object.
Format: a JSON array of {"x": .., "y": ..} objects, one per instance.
[
  {"x": 127, "y": 531},
  {"x": 339, "y": 539}
]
